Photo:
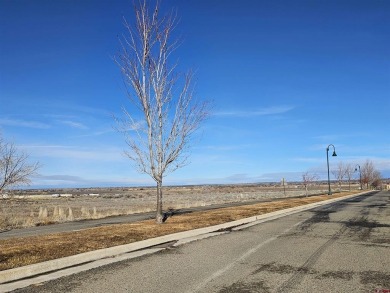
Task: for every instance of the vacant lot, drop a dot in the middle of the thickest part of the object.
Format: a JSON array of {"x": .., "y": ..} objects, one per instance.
[
  {"x": 17, "y": 252},
  {"x": 41, "y": 207}
]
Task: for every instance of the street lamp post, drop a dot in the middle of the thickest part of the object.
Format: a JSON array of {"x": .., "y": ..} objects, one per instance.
[
  {"x": 360, "y": 176},
  {"x": 327, "y": 161}
]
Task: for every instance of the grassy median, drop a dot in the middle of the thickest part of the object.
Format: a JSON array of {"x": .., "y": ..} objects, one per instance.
[{"x": 16, "y": 252}]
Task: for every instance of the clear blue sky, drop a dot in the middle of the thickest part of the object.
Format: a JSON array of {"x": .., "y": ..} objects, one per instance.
[{"x": 287, "y": 79}]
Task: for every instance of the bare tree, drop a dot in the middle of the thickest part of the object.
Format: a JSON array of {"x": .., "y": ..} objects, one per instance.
[
  {"x": 349, "y": 171},
  {"x": 339, "y": 173},
  {"x": 368, "y": 172},
  {"x": 15, "y": 169},
  {"x": 308, "y": 179},
  {"x": 159, "y": 130},
  {"x": 377, "y": 179}
]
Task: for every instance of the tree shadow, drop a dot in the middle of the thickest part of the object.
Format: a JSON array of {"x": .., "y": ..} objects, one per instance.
[{"x": 171, "y": 212}]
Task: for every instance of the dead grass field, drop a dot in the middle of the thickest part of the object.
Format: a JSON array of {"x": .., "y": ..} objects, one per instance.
[
  {"x": 16, "y": 252},
  {"x": 29, "y": 208}
]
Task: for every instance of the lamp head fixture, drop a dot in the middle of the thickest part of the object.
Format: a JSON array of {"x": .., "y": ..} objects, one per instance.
[{"x": 334, "y": 150}]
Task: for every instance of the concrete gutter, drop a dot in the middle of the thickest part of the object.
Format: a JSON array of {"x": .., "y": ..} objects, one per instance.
[{"x": 30, "y": 271}]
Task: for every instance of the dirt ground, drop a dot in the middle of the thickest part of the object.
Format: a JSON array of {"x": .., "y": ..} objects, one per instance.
[{"x": 26, "y": 208}]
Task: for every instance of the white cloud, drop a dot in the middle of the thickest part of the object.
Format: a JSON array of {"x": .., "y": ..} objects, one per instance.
[
  {"x": 73, "y": 124},
  {"x": 63, "y": 180},
  {"x": 224, "y": 147},
  {"x": 96, "y": 133},
  {"x": 260, "y": 112},
  {"x": 23, "y": 123},
  {"x": 340, "y": 136},
  {"x": 66, "y": 106},
  {"x": 308, "y": 160},
  {"x": 79, "y": 153},
  {"x": 59, "y": 178}
]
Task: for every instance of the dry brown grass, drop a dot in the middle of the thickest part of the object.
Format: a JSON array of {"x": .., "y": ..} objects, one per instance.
[
  {"x": 26, "y": 208},
  {"x": 17, "y": 252}
]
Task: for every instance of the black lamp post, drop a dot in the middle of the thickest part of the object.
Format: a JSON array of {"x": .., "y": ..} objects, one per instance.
[
  {"x": 327, "y": 161},
  {"x": 360, "y": 176}
]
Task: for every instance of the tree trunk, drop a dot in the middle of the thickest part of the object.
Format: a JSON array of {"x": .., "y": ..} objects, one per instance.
[{"x": 159, "y": 215}]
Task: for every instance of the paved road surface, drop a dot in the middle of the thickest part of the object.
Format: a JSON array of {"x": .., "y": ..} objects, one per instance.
[{"x": 344, "y": 247}]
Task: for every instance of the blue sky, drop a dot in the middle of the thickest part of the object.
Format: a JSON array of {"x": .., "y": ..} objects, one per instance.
[{"x": 287, "y": 78}]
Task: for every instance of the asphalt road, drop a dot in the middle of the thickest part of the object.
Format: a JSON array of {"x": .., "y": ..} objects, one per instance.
[
  {"x": 343, "y": 247},
  {"x": 85, "y": 224}
]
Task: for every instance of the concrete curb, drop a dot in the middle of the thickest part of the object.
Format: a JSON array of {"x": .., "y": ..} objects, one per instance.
[{"x": 87, "y": 257}]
